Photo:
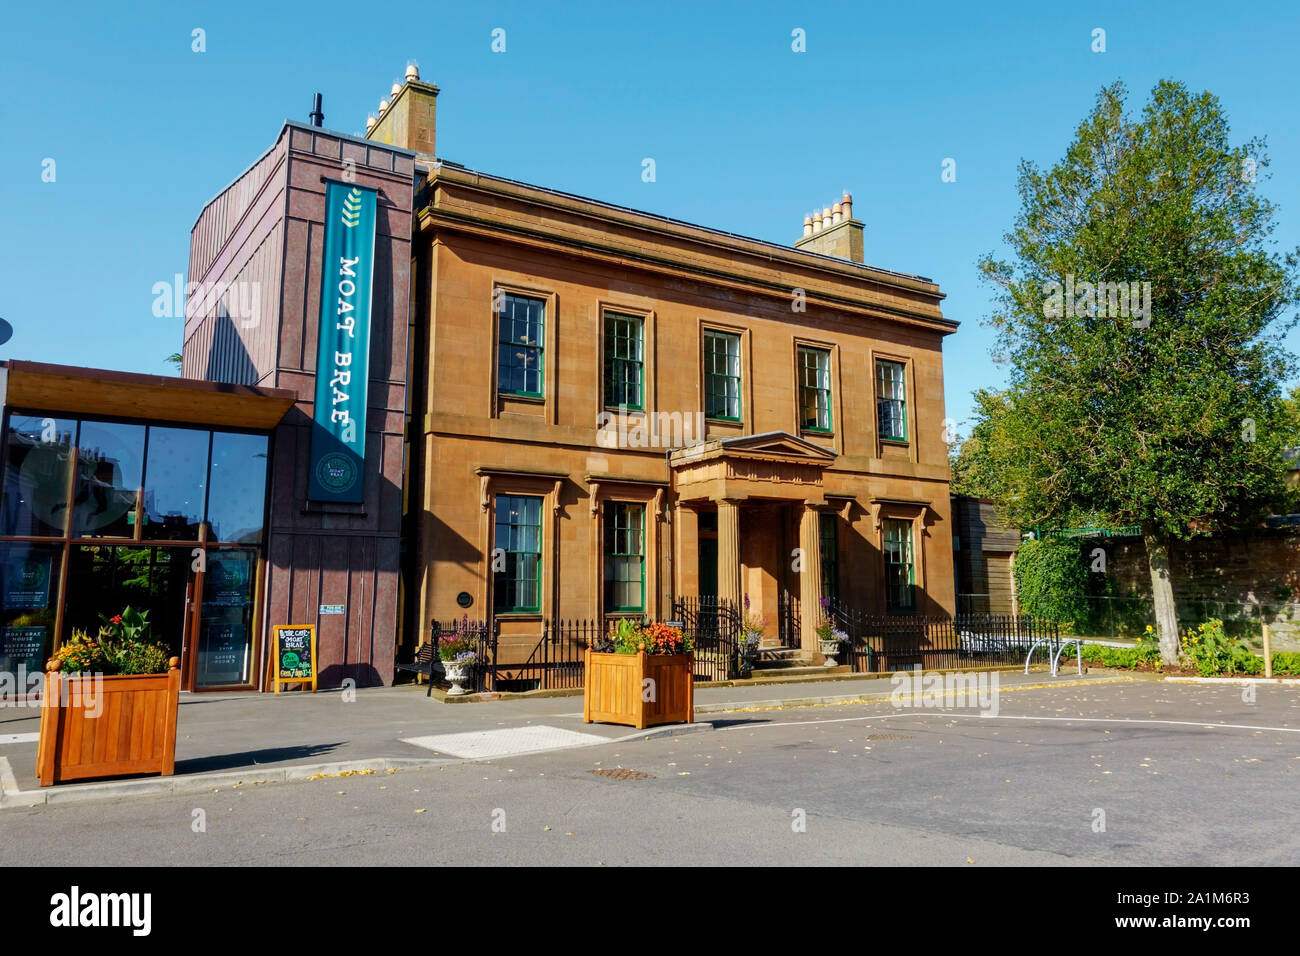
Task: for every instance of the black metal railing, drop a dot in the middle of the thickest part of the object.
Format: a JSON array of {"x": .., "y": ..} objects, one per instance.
[
  {"x": 888, "y": 642},
  {"x": 714, "y": 625},
  {"x": 558, "y": 659}
]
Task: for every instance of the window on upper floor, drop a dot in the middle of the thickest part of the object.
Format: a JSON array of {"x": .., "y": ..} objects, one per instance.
[
  {"x": 624, "y": 360},
  {"x": 521, "y": 329},
  {"x": 814, "y": 389},
  {"x": 722, "y": 375},
  {"x": 891, "y": 400}
]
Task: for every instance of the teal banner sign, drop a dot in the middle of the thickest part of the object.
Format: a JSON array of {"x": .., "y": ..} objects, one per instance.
[{"x": 338, "y": 443}]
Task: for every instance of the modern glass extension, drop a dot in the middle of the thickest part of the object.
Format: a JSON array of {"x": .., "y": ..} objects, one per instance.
[{"x": 98, "y": 514}]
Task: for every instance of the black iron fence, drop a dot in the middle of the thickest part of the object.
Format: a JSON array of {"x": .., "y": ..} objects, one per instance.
[
  {"x": 891, "y": 642},
  {"x": 875, "y": 643},
  {"x": 714, "y": 625}
]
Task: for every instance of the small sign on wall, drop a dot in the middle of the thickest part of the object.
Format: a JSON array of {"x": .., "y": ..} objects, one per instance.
[{"x": 333, "y": 609}]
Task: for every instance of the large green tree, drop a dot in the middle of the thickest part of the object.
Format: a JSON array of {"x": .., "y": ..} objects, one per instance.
[{"x": 1165, "y": 411}]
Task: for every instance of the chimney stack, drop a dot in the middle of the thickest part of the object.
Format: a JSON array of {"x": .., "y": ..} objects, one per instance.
[
  {"x": 407, "y": 115},
  {"x": 316, "y": 117},
  {"x": 833, "y": 232}
]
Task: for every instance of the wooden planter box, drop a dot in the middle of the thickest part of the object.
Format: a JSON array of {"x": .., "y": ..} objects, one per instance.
[
  {"x": 613, "y": 690},
  {"x": 134, "y": 732}
]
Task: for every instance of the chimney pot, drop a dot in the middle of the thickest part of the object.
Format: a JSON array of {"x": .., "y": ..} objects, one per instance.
[
  {"x": 826, "y": 217},
  {"x": 397, "y": 88},
  {"x": 370, "y": 123},
  {"x": 847, "y": 203},
  {"x": 837, "y": 213},
  {"x": 412, "y": 72},
  {"x": 383, "y": 105},
  {"x": 807, "y": 225}
]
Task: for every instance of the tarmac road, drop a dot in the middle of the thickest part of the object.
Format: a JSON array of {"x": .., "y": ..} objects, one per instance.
[{"x": 1108, "y": 774}]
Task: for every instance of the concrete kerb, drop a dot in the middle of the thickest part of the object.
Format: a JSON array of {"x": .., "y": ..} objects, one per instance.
[{"x": 1239, "y": 681}]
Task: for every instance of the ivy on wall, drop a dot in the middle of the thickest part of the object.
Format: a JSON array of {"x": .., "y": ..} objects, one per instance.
[{"x": 1052, "y": 579}]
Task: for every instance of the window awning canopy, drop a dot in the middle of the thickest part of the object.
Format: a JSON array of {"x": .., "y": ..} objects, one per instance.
[{"x": 37, "y": 386}]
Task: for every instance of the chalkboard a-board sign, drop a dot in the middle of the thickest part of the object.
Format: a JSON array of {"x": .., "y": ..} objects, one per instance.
[{"x": 295, "y": 655}]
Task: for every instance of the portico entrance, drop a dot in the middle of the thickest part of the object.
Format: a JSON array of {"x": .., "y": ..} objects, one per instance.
[{"x": 764, "y": 495}]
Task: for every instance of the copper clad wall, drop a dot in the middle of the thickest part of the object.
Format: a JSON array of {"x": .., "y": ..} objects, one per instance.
[{"x": 268, "y": 227}]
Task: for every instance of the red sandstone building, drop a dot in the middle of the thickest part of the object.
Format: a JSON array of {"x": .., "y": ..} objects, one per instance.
[{"x": 564, "y": 409}]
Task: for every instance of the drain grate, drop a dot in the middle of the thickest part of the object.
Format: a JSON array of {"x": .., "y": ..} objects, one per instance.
[
  {"x": 889, "y": 736},
  {"x": 622, "y": 773}
]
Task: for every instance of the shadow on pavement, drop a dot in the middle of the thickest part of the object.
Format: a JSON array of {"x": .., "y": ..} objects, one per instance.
[{"x": 251, "y": 758}]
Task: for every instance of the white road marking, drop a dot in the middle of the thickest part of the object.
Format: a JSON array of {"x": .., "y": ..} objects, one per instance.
[
  {"x": 19, "y": 738},
  {"x": 479, "y": 744},
  {"x": 947, "y": 714}
]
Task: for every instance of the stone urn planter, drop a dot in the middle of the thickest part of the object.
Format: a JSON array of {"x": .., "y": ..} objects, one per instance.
[
  {"x": 829, "y": 650},
  {"x": 458, "y": 672},
  {"x": 747, "y": 661}
]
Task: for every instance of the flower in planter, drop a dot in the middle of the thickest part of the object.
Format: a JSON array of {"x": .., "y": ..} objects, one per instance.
[
  {"x": 752, "y": 625},
  {"x": 124, "y": 651}
]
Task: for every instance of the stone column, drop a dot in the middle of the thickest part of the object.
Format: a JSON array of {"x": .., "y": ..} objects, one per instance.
[
  {"x": 729, "y": 553},
  {"x": 810, "y": 578}
]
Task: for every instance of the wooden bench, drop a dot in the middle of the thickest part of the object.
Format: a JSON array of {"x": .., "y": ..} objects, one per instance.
[{"x": 423, "y": 664}]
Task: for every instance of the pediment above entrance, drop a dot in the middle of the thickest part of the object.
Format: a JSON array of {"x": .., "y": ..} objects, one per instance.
[{"x": 770, "y": 465}]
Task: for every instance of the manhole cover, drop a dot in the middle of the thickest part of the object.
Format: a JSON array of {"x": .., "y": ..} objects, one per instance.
[
  {"x": 622, "y": 773},
  {"x": 889, "y": 736}
]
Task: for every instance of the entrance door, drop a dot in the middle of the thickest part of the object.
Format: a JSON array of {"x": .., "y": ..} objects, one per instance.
[
  {"x": 708, "y": 552},
  {"x": 223, "y": 653}
]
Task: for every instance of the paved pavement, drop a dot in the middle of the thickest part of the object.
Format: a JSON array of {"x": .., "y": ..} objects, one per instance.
[
  {"x": 251, "y": 732},
  {"x": 1100, "y": 773}
]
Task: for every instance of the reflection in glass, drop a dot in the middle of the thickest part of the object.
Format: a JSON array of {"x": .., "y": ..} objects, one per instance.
[
  {"x": 29, "y": 590},
  {"x": 37, "y": 459},
  {"x": 103, "y": 579},
  {"x": 237, "y": 488},
  {"x": 175, "y": 476},
  {"x": 108, "y": 479}
]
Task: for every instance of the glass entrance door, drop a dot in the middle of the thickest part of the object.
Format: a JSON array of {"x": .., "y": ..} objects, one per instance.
[{"x": 224, "y": 650}]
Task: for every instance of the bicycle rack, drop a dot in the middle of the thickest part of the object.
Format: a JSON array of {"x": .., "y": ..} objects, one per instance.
[{"x": 1056, "y": 652}]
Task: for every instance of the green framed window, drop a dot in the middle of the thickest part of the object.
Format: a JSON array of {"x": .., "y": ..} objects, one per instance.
[
  {"x": 900, "y": 567},
  {"x": 624, "y": 362},
  {"x": 814, "y": 389},
  {"x": 828, "y": 535},
  {"x": 521, "y": 337},
  {"x": 891, "y": 400},
  {"x": 624, "y": 556},
  {"x": 722, "y": 375},
  {"x": 517, "y": 559}
]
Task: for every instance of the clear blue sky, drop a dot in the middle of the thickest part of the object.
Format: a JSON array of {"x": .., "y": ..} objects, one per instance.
[{"x": 747, "y": 135}]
